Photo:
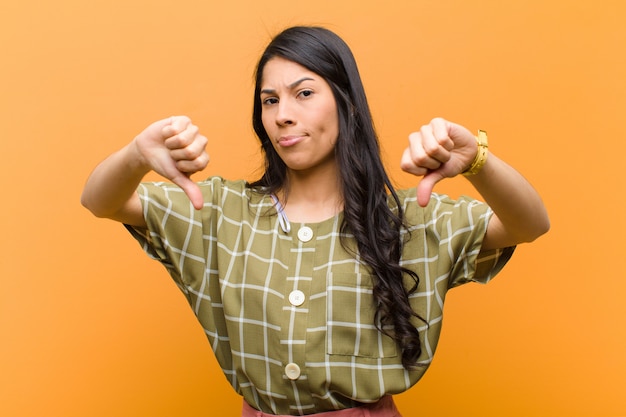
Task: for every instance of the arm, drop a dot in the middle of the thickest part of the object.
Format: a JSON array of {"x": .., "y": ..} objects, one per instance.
[
  {"x": 443, "y": 149},
  {"x": 171, "y": 147}
]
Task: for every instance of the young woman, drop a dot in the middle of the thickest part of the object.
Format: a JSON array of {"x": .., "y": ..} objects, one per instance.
[{"x": 319, "y": 286}]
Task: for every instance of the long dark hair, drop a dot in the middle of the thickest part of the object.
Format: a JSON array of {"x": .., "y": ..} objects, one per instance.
[{"x": 365, "y": 184}]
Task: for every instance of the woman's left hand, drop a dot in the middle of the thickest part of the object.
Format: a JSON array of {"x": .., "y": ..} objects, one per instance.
[{"x": 441, "y": 149}]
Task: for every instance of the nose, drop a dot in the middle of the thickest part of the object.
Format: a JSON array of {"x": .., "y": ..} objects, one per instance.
[{"x": 284, "y": 115}]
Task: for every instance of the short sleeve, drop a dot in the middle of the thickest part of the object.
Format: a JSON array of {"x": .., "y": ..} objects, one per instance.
[
  {"x": 175, "y": 230},
  {"x": 463, "y": 225},
  {"x": 452, "y": 233}
]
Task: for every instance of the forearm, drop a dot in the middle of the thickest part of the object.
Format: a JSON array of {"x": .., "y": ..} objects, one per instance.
[
  {"x": 111, "y": 187},
  {"x": 520, "y": 215}
]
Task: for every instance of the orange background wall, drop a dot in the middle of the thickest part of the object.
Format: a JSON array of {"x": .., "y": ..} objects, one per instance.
[{"x": 89, "y": 326}]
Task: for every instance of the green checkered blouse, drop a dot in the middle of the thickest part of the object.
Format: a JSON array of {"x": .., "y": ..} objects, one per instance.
[{"x": 287, "y": 310}]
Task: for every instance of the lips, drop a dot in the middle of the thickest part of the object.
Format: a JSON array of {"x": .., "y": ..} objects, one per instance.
[{"x": 289, "y": 140}]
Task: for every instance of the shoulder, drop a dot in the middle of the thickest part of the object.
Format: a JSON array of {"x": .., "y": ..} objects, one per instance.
[
  {"x": 438, "y": 204},
  {"x": 443, "y": 216},
  {"x": 214, "y": 189},
  {"x": 220, "y": 192}
]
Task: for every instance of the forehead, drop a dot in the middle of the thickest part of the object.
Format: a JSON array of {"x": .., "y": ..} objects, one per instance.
[{"x": 280, "y": 71}]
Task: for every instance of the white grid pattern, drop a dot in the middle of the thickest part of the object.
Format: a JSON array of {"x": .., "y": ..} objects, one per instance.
[{"x": 237, "y": 266}]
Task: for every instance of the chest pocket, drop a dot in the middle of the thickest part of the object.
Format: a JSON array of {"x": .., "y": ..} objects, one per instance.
[{"x": 350, "y": 318}]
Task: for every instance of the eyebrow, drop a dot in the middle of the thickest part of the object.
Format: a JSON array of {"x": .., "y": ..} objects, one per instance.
[{"x": 290, "y": 86}]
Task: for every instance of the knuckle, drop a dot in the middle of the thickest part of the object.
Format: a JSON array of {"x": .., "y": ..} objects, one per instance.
[
  {"x": 183, "y": 119},
  {"x": 183, "y": 154},
  {"x": 437, "y": 120},
  {"x": 183, "y": 139},
  {"x": 418, "y": 160},
  {"x": 414, "y": 136},
  {"x": 189, "y": 154},
  {"x": 430, "y": 148}
]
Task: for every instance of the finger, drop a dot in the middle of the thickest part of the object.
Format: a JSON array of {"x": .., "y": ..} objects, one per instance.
[
  {"x": 407, "y": 164},
  {"x": 182, "y": 139},
  {"x": 437, "y": 145},
  {"x": 193, "y": 165},
  {"x": 441, "y": 131},
  {"x": 417, "y": 154},
  {"x": 191, "y": 189},
  {"x": 168, "y": 130},
  {"x": 160, "y": 127},
  {"x": 191, "y": 152},
  {"x": 426, "y": 186},
  {"x": 175, "y": 125}
]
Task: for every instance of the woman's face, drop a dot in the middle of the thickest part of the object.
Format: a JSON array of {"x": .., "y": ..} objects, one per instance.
[{"x": 299, "y": 114}]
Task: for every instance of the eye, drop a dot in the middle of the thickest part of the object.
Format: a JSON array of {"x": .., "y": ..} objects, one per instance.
[
  {"x": 269, "y": 100},
  {"x": 305, "y": 93}
]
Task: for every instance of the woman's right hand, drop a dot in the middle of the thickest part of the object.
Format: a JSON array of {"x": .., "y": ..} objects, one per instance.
[
  {"x": 174, "y": 149},
  {"x": 171, "y": 147}
]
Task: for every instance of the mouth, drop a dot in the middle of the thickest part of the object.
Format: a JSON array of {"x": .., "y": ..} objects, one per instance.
[{"x": 289, "y": 140}]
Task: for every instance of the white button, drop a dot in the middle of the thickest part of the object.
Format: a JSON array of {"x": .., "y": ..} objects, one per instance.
[
  {"x": 292, "y": 371},
  {"x": 296, "y": 298},
  {"x": 305, "y": 234}
]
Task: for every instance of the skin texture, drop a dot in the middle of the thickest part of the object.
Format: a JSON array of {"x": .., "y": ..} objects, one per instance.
[
  {"x": 300, "y": 117},
  {"x": 442, "y": 149},
  {"x": 174, "y": 148},
  {"x": 315, "y": 172}
]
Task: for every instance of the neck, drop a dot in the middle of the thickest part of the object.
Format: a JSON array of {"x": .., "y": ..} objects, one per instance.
[{"x": 312, "y": 197}]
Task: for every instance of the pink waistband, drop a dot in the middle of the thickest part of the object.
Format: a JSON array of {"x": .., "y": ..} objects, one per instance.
[{"x": 385, "y": 407}]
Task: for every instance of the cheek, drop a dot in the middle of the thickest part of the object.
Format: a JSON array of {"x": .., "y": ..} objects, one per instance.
[
  {"x": 333, "y": 126},
  {"x": 264, "y": 120},
  {"x": 269, "y": 129},
  {"x": 330, "y": 121}
]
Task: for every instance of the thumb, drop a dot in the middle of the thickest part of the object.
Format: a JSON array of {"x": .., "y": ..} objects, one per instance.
[
  {"x": 426, "y": 186},
  {"x": 191, "y": 189}
]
